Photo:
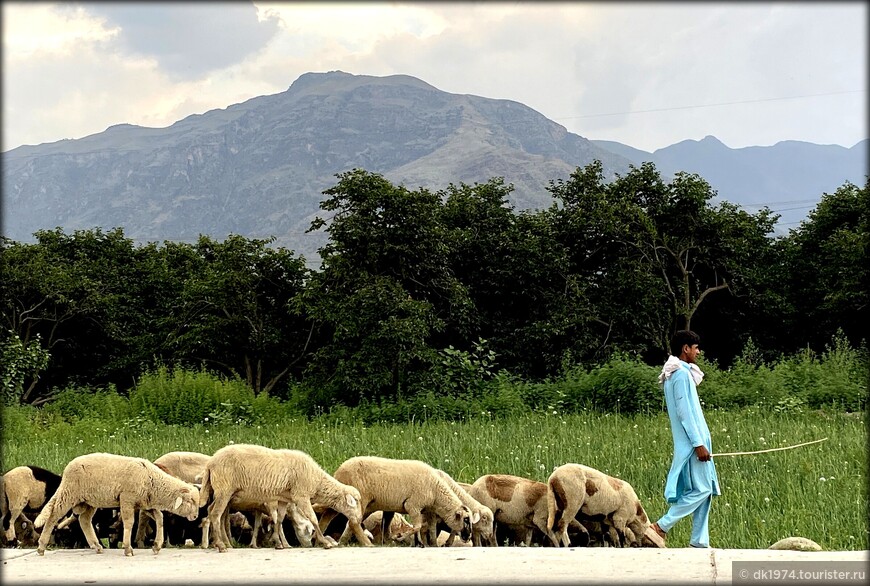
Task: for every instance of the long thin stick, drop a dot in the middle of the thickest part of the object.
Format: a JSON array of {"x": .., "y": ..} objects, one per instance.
[{"x": 771, "y": 449}]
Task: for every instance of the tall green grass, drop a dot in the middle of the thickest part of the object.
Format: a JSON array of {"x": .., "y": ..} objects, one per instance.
[{"x": 818, "y": 491}]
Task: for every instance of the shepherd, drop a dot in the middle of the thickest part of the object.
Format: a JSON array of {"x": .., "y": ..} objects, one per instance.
[{"x": 692, "y": 482}]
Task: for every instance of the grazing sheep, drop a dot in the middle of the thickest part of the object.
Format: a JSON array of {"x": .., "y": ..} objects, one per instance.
[
  {"x": 25, "y": 488},
  {"x": 258, "y": 473},
  {"x": 398, "y": 529},
  {"x": 519, "y": 503},
  {"x": 401, "y": 486},
  {"x": 101, "y": 480},
  {"x": 482, "y": 529},
  {"x": 574, "y": 488},
  {"x": 187, "y": 466}
]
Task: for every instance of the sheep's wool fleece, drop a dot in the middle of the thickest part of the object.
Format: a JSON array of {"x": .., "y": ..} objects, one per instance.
[{"x": 796, "y": 544}]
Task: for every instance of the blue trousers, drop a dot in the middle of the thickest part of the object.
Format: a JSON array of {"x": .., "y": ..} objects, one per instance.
[{"x": 695, "y": 499}]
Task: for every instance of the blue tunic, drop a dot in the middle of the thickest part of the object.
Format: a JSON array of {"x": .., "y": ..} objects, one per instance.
[{"x": 689, "y": 429}]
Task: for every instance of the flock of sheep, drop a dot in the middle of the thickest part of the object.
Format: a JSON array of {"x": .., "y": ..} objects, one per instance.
[{"x": 250, "y": 488}]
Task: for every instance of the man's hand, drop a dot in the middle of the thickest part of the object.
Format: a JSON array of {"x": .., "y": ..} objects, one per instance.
[{"x": 703, "y": 453}]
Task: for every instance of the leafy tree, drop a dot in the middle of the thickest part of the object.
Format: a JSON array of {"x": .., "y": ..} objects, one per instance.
[
  {"x": 233, "y": 308},
  {"x": 384, "y": 291},
  {"x": 828, "y": 269},
  {"x": 20, "y": 366},
  {"x": 653, "y": 252},
  {"x": 74, "y": 291}
]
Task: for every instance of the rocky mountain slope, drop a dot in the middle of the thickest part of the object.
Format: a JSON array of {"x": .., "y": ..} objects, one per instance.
[{"x": 259, "y": 168}]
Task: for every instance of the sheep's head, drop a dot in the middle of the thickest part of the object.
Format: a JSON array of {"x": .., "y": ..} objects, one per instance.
[
  {"x": 486, "y": 523},
  {"x": 461, "y": 521},
  {"x": 350, "y": 504},
  {"x": 187, "y": 503}
]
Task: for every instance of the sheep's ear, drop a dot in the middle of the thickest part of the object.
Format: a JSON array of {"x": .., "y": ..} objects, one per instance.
[
  {"x": 177, "y": 504},
  {"x": 475, "y": 518},
  {"x": 350, "y": 500}
]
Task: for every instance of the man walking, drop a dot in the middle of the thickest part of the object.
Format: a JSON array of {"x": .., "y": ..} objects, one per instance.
[{"x": 692, "y": 482}]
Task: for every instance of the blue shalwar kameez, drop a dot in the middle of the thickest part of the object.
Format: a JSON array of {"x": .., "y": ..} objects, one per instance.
[{"x": 691, "y": 484}]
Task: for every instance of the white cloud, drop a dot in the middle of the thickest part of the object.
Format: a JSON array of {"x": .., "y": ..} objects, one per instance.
[
  {"x": 658, "y": 66},
  {"x": 31, "y": 30}
]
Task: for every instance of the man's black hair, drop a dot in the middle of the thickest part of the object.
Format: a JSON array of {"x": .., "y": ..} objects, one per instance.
[{"x": 682, "y": 337}]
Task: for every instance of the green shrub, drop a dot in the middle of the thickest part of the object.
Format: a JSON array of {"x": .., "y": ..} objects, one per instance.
[
  {"x": 76, "y": 403},
  {"x": 18, "y": 422},
  {"x": 622, "y": 385},
  {"x": 186, "y": 397}
]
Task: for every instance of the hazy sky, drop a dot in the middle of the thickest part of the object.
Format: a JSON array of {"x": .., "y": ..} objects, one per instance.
[{"x": 645, "y": 74}]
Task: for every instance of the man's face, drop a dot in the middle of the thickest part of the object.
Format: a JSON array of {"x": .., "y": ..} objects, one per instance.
[{"x": 690, "y": 353}]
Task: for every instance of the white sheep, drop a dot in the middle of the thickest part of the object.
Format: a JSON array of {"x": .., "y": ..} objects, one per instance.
[
  {"x": 187, "y": 466},
  {"x": 258, "y": 473},
  {"x": 575, "y": 488},
  {"x": 482, "y": 521},
  {"x": 401, "y": 486},
  {"x": 102, "y": 480},
  {"x": 517, "y": 502},
  {"x": 25, "y": 488}
]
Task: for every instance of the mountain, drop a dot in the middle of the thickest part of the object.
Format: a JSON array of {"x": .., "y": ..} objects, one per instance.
[
  {"x": 789, "y": 177},
  {"x": 258, "y": 168}
]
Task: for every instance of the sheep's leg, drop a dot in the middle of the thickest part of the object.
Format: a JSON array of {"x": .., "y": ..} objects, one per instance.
[
  {"x": 142, "y": 529},
  {"x": 226, "y": 529},
  {"x": 128, "y": 517},
  {"x": 206, "y": 525},
  {"x": 526, "y": 541},
  {"x": 416, "y": 518},
  {"x": 15, "y": 511},
  {"x": 158, "y": 535},
  {"x": 258, "y": 522},
  {"x": 86, "y": 522},
  {"x": 215, "y": 511},
  {"x": 305, "y": 509},
  {"x": 386, "y": 523},
  {"x": 558, "y": 534},
  {"x": 279, "y": 526},
  {"x": 58, "y": 511}
]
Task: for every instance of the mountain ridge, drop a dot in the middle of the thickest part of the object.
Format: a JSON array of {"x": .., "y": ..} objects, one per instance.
[{"x": 258, "y": 167}]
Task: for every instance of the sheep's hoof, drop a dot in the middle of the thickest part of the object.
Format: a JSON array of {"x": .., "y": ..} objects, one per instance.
[
  {"x": 279, "y": 546},
  {"x": 128, "y": 551},
  {"x": 221, "y": 548},
  {"x": 40, "y": 550},
  {"x": 155, "y": 549}
]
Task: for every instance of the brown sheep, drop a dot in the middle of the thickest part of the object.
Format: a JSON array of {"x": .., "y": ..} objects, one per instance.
[{"x": 519, "y": 503}]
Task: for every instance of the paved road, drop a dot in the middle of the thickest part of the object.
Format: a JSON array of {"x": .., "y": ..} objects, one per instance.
[{"x": 396, "y": 565}]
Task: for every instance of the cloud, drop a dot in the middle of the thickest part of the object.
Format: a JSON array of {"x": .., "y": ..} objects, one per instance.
[
  {"x": 188, "y": 40},
  {"x": 71, "y": 70}
]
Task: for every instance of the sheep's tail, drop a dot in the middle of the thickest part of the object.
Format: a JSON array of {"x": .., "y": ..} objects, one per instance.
[
  {"x": 205, "y": 489},
  {"x": 552, "y": 507},
  {"x": 46, "y": 511}
]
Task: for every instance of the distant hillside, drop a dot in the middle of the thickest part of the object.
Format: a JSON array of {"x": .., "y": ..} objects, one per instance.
[
  {"x": 259, "y": 168},
  {"x": 789, "y": 177}
]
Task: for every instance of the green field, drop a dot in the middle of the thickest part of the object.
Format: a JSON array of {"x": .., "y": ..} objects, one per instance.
[{"x": 817, "y": 491}]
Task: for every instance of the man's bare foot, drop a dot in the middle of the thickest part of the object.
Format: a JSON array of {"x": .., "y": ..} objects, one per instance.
[{"x": 659, "y": 531}]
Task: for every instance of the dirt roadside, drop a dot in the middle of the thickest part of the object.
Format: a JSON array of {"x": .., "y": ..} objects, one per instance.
[{"x": 398, "y": 565}]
